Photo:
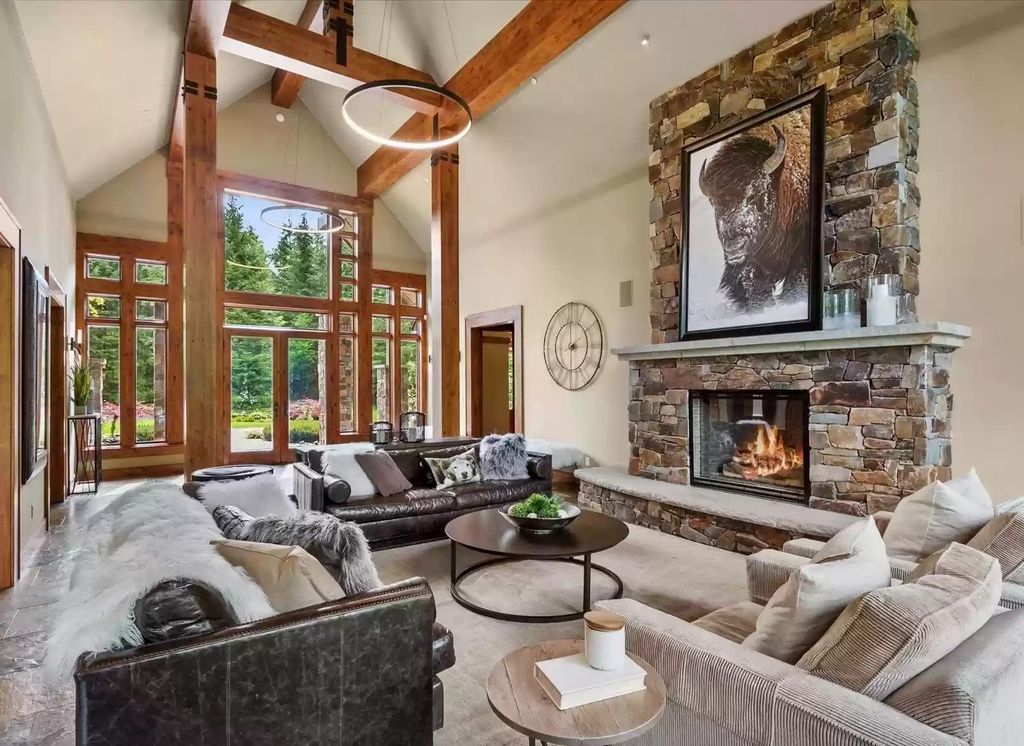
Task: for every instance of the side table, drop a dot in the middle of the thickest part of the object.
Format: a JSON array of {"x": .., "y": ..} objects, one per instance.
[
  {"x": 516, "y": 697},
  {"x": 85, "y": 436}
]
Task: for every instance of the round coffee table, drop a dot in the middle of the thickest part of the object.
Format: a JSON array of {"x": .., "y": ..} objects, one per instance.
[
  {"x": 516, "y": 697},
  {"x": 230, "y": 473},
  {"x": 487, "y": 531}
]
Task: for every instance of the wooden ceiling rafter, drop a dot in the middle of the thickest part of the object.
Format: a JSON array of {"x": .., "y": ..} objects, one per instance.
[
  {"x": 203, "y": 32},
  {"x": 538, "y": 34},
  {"x": 275, "y": 43},
  {"x": 285, "y": 85}
]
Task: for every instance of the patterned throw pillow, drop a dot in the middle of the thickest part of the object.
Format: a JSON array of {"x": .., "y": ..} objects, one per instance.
[
  {"x": 459, "y": 469},
  {"x": 231, "y": 521}
]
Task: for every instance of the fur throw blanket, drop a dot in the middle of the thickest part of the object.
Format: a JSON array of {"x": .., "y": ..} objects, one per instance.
[
  {"x": 504, "y": 457},
  {"x": 151, "y": 533},
  {"x": 339, "y": 545}
]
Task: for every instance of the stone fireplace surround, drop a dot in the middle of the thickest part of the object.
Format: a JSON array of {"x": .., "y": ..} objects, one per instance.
[{"x": 878, "y": 421}]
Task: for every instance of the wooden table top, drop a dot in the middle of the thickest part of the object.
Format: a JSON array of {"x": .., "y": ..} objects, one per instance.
[
  {"x": 489, "y": 531},
  {"x": 516, "y": 698}
]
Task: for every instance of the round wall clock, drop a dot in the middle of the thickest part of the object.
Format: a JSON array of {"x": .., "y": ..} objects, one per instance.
[{"x": 573, "y": 346}]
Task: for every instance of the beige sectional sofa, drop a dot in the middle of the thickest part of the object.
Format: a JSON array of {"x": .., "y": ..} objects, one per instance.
[{"x": 721, "y": 693}]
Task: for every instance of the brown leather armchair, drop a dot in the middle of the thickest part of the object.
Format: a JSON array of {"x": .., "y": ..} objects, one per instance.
[{"x": 360, "y": 670}]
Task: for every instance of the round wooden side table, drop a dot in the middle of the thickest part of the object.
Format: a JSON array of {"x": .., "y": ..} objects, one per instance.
[{"x": 517, "y": 698}]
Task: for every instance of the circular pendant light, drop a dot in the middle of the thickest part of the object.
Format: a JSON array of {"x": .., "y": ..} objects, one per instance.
[
  {"x": 396, "y": 84},
  {"x": 331, "y": 219}
]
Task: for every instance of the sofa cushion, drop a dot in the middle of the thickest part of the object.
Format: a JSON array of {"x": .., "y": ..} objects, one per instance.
[
  {"x": 735, "y": 622},
  {"x": 491, "y": 492},
  {"x": 257, "y": 496},
  {"x": 950, "y": 694},
  {"x": 1003, "y": 538},
  {"x": 290, "y": 576},
  {"x": 937, "y": 514},
  {"x": 888, "y": 636},
  {"x": 412, "y": 503},
  {"x": 412, "y": 466},
  {"x": 383, "y": 472},
  {"x": 850, "y": 564}
]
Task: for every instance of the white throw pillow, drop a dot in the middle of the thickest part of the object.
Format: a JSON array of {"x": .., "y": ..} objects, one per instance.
[
  {"x": 936, "y": 515},
  {"x": 340, "y": 461},
  {"x": 850, "y": 564},
  {"x": 257, "y": 496}
]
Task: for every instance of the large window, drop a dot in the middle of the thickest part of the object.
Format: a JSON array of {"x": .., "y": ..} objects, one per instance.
[
  {"x": 398, "y": 315},
  {"x": 129, "y": 295}
]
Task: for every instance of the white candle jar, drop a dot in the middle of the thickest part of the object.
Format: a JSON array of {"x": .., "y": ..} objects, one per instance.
[
  {"x": 605, "y": 640},
  {"x": 883, "y": 295}
]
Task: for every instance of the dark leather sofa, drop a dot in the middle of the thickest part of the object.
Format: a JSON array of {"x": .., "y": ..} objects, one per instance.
[
  {"x": 419, "y": 514},
  {"x": 360, "y": 670}
]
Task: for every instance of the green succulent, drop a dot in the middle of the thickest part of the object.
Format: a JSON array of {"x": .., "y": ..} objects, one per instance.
[{"x": 542, "y": 506}]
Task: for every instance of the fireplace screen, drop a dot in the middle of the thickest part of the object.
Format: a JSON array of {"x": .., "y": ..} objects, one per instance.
[{"x": 751, "y": 441}]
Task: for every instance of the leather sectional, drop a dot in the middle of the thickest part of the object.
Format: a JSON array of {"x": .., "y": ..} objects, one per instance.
[{"x": 419, "y": 514}]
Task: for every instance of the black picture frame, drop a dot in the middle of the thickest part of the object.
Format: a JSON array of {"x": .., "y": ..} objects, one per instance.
[
  {"x": 35, "y": 345},
  {"x": 816, "y": 101}
]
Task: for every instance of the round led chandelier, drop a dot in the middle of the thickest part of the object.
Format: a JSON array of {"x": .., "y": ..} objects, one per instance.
[
  {"x": 396, "y": 84},
  {"x": 326, "y": 231}
]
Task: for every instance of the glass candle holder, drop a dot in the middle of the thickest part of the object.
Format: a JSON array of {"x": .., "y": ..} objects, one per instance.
[
  {"x": 841, "y": 309},
  {"x": 883, "y": 295}
]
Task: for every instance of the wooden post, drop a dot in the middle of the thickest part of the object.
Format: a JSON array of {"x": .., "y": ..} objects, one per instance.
[
  {"x": 205, "y": 443},
  {"x": 444, "y": 254},
  {"x": 175, "y": 306}
]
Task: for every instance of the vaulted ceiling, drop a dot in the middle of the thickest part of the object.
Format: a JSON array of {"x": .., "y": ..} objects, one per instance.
[{"x": 108, "y": 70}]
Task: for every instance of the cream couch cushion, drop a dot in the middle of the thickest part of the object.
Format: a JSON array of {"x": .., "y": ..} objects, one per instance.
[
  {"x": 290, "y": 576},
  {"x": 936, "y": 515},
  {"x": 734, "y": 622},
  {"x": 1003, "y": 538},
  {"x": 888, "y": 636},
  {"x": 850, "y": 564}
]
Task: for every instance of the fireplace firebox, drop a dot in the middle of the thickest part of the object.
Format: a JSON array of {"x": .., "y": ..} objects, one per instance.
[{"x": 751, "y": 441}]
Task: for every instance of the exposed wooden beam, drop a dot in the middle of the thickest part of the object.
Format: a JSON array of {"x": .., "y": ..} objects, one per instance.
[
  {"x": 203, "y": 34},
  {"x": 275, "y": 43},
  {"x": 538, "y": 34},
  {"x": 285, "y": 85},
  {"x": 444, "y": 257},
  {"x": 204, "y": 437}
]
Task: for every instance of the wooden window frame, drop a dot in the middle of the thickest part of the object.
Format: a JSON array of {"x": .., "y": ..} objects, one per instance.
[
  {"x": 129, "y": 251},
  {"x": 396, "y": 311}
]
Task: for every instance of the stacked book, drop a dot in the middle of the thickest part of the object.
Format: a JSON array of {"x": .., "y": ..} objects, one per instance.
[{"x": 571, "y": 682}]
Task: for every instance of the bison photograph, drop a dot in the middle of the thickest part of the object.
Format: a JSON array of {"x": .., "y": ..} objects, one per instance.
[{"x": 751, "y": 225}]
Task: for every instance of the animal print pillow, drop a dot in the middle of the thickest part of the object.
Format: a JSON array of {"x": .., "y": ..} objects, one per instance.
[{"x": 459, "y": 469}]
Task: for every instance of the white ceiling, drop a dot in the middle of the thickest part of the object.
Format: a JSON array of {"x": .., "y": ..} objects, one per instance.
[{"x": 109, "y": 69}]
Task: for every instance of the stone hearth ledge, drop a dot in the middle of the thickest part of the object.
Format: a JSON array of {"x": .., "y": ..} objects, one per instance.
[
  {"x": 792, "y": 517},
  {"x": 936, "y": 334}
]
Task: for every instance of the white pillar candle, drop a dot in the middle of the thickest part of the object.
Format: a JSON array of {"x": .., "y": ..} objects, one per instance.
[{"x": 881, "y": 308}]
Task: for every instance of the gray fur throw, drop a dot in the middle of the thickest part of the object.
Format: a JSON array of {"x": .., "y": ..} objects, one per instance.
[
  {"x": 339, "y": 545},
  {"x": 504, "y": 457}
]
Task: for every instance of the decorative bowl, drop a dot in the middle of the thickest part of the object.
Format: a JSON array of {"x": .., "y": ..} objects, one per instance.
[{"x": 541, "y": 525}]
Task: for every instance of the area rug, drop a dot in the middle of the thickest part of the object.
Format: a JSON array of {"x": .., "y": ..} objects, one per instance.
[{"x": 666, "y": 572}]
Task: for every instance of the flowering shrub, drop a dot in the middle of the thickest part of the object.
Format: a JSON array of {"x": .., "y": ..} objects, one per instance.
[{"x": 304, "y": 409}]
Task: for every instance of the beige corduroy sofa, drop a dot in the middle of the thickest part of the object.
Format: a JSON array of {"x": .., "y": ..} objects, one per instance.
[
  {"x": 721, "y": 693},
  {"x": 768, "y": 569}
]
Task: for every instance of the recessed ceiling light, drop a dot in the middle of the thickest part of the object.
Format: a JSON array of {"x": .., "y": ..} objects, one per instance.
[
  {"x": 279, "y": 117},
  {"x": 645, "y": 40},
  {"x": 533, "y": 80}
]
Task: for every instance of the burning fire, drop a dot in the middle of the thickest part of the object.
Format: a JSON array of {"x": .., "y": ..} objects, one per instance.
[{"x": 767, "y": 455}]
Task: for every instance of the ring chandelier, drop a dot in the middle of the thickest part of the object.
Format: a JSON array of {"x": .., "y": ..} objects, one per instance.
[{"x": 395, "y": 84}]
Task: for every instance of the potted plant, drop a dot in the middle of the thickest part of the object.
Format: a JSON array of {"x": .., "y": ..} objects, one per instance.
[
  {"x": 81, "y": 387},
  {"x": 540, "y": 514}
]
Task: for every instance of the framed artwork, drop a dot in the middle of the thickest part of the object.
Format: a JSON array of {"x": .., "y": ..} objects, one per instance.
[
  {"x": 35, "y": 330},
  {"x": 752, "y": 198}
]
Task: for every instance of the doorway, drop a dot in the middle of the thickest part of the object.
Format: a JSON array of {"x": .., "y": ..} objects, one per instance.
[
  {"x": 494, "y": 372},
  {"x": 10, "y": 465},
  {"x": 57, "y": 406},
  {"x": 276, "y": 386}
]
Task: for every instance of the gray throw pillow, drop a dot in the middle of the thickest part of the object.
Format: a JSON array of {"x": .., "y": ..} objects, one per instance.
[
  {"x": 382, "y": 470},
  {"x": 504, "y": 457}
]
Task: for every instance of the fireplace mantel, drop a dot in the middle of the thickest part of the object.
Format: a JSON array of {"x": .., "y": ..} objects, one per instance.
[{"x": 936, "y": 334}]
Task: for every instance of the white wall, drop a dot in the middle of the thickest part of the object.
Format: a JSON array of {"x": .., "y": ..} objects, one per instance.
[
  {"x": 578, "y": 252},
  {"x": 34, "y": 186},
  {"x": 972, "y": 240},
  {"x": 249, "y": 141}
]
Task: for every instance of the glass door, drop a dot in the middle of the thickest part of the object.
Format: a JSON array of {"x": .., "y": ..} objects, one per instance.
[
  {"x": 307, "y": 384},
  {"x": 254, "y": 414}
]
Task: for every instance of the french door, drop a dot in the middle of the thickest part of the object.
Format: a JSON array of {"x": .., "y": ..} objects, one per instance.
[{"x": 275, "y": 381}]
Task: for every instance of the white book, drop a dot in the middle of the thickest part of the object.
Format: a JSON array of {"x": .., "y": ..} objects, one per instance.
[{"x": 571, "y": 682}]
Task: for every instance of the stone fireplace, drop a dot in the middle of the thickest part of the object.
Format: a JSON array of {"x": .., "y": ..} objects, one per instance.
[{"x": 750, "y": 441}]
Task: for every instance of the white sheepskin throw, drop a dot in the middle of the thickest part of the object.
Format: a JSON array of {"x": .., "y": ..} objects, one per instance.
[
  {"x": 340, "y": 461},
  {"x": 563, "y": 455},
  {"x": 152, "y": 533},
  {"x": 257, "y": 496}
]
